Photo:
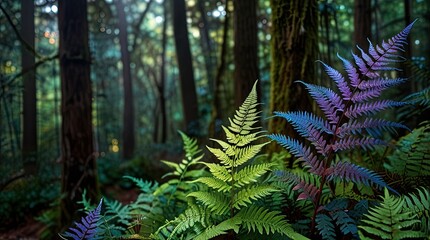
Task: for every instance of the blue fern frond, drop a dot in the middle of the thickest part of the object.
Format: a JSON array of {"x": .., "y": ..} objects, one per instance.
[
  {"x": 381, "y": 83},
  {"x": 301, "y": 152},
  {"x": 301, "y": 120},
  {"x": 88, "y": 227},
  {"x": 360, "y": 175}
]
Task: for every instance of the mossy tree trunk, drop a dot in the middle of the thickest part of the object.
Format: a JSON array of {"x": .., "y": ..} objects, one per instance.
[
  {"x": 79, "y": 164},
  {"x": 294, "y": 52}
]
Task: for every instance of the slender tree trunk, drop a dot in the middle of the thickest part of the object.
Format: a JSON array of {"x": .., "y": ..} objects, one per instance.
[
  {"x": 362, "y": 23},
  {"x": 162, "y": 82},
  {"x": 128, "y": 141},
  {"x": 294, "y": 51},
  {"x": 29, "y": 139},
  {"x": 245, "y": 51},
  {"x": 185, "y": 65},
  {"x": 217, "y": 116},
  {"x": 79, "y": 164},
  {"x": 206, "y": 43}
]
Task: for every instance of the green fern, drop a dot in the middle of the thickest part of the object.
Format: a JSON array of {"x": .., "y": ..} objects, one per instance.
[
  {"x": 419, "y": 203},
  {"x": 181, "y": 171},
  {"x": 234, "y": 185},
  {"x": 389, "y": 220},
  {"x": 412, "y": 156}
]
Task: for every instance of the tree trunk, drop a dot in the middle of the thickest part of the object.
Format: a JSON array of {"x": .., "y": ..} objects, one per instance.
[
  {"x": 185, "y": 65},
  {"x": 162, "y": 82},
  {"x": 79, "y": 164},
  {"x": 294, "y": 51},
  {"x": 206, "y": 44},
  {"x": 362, "y": 23},
  {"x": 217, "y": 116},
  {"x": 29, "y": 139},
  {"x": 245, "y": 50},
  {"x": 128, "y": 140}
]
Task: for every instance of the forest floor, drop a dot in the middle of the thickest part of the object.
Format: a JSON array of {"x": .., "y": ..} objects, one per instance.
[{"x": 31, "y": 229}]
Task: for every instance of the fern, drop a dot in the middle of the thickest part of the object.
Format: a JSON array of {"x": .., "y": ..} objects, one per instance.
[
  {"x": 88, "y": 228},
  {"x": 389, "y": 220},
  {"x": 347, "y": 122},
  {"x": 233, "y": 185},
  {"x": 419, "y": 203},
  {"x": 412, "y": 155}
]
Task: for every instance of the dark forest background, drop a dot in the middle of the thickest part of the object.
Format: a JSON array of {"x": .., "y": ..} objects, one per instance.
[{"x": 94, "y": 90}]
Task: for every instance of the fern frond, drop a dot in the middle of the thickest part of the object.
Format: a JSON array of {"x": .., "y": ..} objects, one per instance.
[
  {"x": 215, "y": 183},
  {"x": 328, "y": 100},
  {"x": 309, "y": 190},
  {"x": 144, "y": 186},
  {"x": 350, "y": 142},
  {"x": 389, "y": 221},
  {"x": 251, "y": 173},
  {"x": 303, "y": 153},
  {"x": 412, "y": 155},
  {"x": 356, "y": 127},
  {"x": 337, "y": 77},
  {"x": 88, "y": 227},
  {"x": 419, "y": 203},
  {"x": 360, "y": 175},
  {"x": 220, "y": 172},
  {"x": 220, "y": 229},
  {"x": 381, "y": 57},
  {"x": 192, "y": 216},
  {"x": 325, "y": 226},
  {"x": 245, "y": 196},
  {"x": 361, "y": 109},
  {"x": 246, "y": 153},
  {"x": 115, "y": 209},
  {"x": 264, "y": 221},
  {"x": 217, "y": 202}
]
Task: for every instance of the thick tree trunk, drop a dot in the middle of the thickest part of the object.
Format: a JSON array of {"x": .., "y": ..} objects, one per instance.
[
  {"x": 294, "y": 51},
  {"x": 245, "y": 51},
  {"x": 185, "y": 64},
  {"x": 362, "y": 23},
  {"x": 128, "y": 141},
  {"x": 79, "y": 163},
  {"x": 29, "y": 139}
]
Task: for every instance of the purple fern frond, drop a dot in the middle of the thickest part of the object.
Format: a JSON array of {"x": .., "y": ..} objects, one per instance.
[
  {"x": 329, "y": 101},
  {"x": 350, "y": 69},
  {"x": 384, "y": 55},
  {"x": 354, "y": 127},
  {"x": 88, "y": 227},
  {"x": 381, "y": 83},
  {"x": 351, "y": 172},
  {"x": 361, "y": 109},
  {"x": 337, "y": 77},
  {"x": 350, "y": 142},
  {"x": 303, "y": 153},
  {"x": 309, "y": 191}
]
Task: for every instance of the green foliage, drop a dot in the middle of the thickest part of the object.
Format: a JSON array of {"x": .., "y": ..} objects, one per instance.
[
  {"x": 412, "y": 155},
  {"x": 234, "y": 185},
  {"x": 389, "y": 220},
  {"x": 419, "y": 203}
]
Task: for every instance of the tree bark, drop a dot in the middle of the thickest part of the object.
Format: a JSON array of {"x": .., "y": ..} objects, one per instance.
[
  {"x": 245, "y": 50},
  {"x": 128, "y": 141},
  {"x": 79, "y": 164},
  {"x": 161, "y": 84},
  {"x": 29, "y": 139},
  {"x": 185, "y": 65},
  {"x": 294, "y": 51},
  {"x": 362, "y": 23}
]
